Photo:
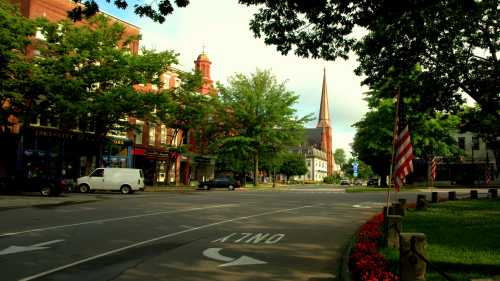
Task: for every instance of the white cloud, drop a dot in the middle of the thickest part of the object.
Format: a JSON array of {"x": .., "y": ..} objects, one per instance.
[{"x": 222, "y": 26}]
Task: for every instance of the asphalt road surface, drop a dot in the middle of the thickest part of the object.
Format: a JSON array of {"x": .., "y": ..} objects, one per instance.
[{"x": 203, "y": 235}]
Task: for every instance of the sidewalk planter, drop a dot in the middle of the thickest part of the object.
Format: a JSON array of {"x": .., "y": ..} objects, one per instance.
[{"x": 365, "y": 262}]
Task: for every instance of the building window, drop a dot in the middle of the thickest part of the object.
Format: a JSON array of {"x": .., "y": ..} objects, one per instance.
[
  {"x": 163, "y": 136},
  {"x": 138, "y": 132},
  {"x": 461, "y": 143},
  {"x": 152, "y": 131},
  {"x": 475, "y": 143}
]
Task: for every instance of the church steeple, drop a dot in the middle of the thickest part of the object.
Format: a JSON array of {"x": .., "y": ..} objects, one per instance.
[
  {"x": 324, "y": 111},
  {"x": 202, "y": 64}
]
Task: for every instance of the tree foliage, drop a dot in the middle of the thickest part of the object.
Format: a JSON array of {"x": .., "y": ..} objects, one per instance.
[
  {"x": 156, "y": 10},
  {"x": 17, "y": 91},
  {"x": 259, "y": 117},
  {"x": 430, "y": 135},
  {"x": 339, "y": 156},
  {"x": 293, "y": 164}
]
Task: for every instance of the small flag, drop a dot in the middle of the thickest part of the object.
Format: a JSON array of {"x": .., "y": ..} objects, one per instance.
[
  {"x": 433, "y": 168},
  {"x": 487, "y": 175}
]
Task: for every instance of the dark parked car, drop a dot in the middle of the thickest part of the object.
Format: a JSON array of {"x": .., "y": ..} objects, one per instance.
[
  {"x": 372, "y": 181},
  {"x": 47, "y": 186},
  {"x": 226, "y": 182}
]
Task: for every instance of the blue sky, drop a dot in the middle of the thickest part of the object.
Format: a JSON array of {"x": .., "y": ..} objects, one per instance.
[{"x": 222, "y": 27}]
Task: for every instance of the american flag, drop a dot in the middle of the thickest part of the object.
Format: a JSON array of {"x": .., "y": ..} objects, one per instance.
[
  {"x": 433, "y": 168},
  {"x": 404, "y": 156}
]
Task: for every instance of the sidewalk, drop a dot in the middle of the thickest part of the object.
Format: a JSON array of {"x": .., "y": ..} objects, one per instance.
[{"x": 35, "y": 200}]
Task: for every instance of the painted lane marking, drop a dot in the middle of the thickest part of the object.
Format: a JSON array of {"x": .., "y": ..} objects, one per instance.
[
  {"x": 113, "y": 219},
  {"x": 361, "y": 207},
  {"x": 214, "y": 254},
  {"x": 45, "y": 273},
  {"x": 18, "y": 249},
  {"x": 255, "y": 238}
]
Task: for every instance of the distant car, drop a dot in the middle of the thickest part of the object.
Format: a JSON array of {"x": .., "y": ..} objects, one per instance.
[
  {"x": 125, "y": 180},
  {"x": 345, "y": 182},
  {"x": 358, "y": 182},
  {"x": 372, "y": 182},
  {"x": 47, "y": 186},
  {"x": 226, "y": 182}
]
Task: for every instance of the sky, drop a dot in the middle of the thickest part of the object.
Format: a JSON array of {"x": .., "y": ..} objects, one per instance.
[{"x": 222, "y": 28}]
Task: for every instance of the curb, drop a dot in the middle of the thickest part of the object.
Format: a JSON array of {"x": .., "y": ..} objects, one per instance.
[{"x": 344, "y": 274}]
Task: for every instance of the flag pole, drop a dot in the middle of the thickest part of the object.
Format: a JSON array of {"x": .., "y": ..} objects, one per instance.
[{"x": 394, "y": 140}]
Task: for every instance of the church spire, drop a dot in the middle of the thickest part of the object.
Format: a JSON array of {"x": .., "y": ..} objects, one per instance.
[{"x": 324, "y": 111}]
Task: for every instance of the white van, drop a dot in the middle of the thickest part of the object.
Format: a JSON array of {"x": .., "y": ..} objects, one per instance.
[{"x": 125, "y": 180}]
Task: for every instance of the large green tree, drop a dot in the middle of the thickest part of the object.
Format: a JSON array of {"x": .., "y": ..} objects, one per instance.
[
  {"x": 259, "y": 114},
  {"x": 18, "y": 94},
  {"x": 92, "y": 79},
  {"x": 293, "y": 164}
]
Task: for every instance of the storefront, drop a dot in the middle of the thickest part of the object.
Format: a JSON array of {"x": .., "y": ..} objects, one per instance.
[{"x": 68, "y": 155}]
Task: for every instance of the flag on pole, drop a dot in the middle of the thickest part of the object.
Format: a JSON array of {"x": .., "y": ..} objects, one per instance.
[
  {"x": 433, "y": 169},
  {"x": 403, "y": 164}
]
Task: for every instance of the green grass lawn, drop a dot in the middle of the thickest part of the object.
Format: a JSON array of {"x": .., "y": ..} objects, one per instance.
[{"x": 463, "y": 238}]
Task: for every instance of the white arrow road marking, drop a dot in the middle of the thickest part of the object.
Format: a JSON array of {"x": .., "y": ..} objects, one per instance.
[
  {"x": 18, "y": 249},
  {"x": 244, "y": 260},
  {"x": 213, "y": 253}
]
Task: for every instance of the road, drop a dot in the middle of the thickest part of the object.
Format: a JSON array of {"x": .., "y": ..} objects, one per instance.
[{"x": 204, "y": 235}]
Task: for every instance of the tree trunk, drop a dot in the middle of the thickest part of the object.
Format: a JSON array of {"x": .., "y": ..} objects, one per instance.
[{"x": 256, "y": 170}]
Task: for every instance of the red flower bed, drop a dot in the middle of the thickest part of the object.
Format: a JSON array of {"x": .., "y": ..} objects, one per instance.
[{"x": 365, "y": 262}]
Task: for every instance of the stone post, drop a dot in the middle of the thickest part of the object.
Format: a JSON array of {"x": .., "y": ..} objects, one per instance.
[
  {"x": 393, "y": 229},
  {"x": 452, "y": 195},
  {"x": 398, "y": 209},
  {"x": 412, "y": 267},
  {"x": 434, "y": 197},
  {"x": 493, "y": 192},
  {"x": 473, "y": 194},
  {"x": 421, "y": 202}
]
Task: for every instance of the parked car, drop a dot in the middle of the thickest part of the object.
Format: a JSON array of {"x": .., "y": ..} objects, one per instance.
[
  {"x": 125, "y": 180},
  {"x": 345, "y": 182},
  {"x": 47, "y": 186},
  {"x": 372, "y": 181},
  {"x": 358, "y": 182},
  {"x": 226, "y": 182}
]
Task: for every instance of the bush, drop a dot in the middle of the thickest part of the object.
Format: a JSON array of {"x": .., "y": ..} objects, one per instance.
[{"x": 331, "y": 179}]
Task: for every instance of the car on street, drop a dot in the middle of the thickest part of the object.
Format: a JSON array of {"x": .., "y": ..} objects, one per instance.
[
  {"x": 225, "y": 182},
  {"x": 345, "y": 182},
  {"x": 358, "y": 182},
  {"x": 45, "y": 185},
  {"x": 372, "y": 182},
  {"x": 125, "y": 180}
]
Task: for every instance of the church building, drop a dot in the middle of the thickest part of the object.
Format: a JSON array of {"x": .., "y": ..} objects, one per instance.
[{"x": 317, "y": 146}]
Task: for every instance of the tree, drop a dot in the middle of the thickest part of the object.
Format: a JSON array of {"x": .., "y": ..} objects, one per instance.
[
  {"x": 259, "y": 116},
  {"x": 455, "y": 41},
  {"x": 430, "y": 135},
  {"x": 92, "y": 79},
  {"x": 339, "y": 156},
  {"x": 17, "y": 92},
  {"x": 155, "y": 12},
  {"x": 294, "y": 164}
]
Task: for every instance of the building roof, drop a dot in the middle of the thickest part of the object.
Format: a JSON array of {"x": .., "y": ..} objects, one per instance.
[
  {"x": 313, "y": 137},
  {"x": 203, "y": 57}
]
